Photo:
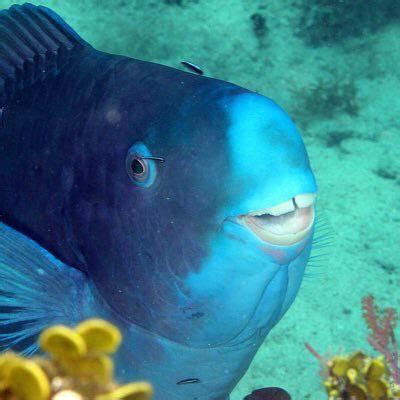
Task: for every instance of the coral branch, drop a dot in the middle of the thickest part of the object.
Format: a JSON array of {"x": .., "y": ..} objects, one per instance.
[
  {"x": 395, "y": 358},
  {"x": 323, "y": 372},
  {"x": 382, "y": 337},
  {"x": 314, "y": 352}
]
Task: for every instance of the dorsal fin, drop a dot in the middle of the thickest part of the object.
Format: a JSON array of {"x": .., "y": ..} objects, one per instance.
[{"x": 34, "y": 42}]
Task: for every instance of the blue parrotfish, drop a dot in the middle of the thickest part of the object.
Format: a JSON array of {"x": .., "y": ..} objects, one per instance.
[{"x": 177, "y": 206}]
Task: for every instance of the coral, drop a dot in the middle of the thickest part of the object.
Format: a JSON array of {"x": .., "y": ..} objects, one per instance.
[
  {"x": 382, "y": 336},
  {"x": 326, "y": 98},
  {"x": 180, "y": 3},
  {"x": 260, "y": 28},
  {"x": 335, "y": 138},
  {"x": 358, "y": 376},
  {"x": 78, "y": 367},
  {"x": 326, "y": 21},
  {"x": 176, "y": 2}
]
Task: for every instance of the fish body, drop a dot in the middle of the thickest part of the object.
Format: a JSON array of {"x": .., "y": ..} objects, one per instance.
[{"x": 179, "y": 207}]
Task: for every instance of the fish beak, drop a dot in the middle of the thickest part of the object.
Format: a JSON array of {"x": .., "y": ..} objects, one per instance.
[{"x": 284, "y": 224}]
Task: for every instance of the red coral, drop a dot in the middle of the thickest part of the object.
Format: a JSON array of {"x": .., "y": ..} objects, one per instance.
[
  {"x": 382, "y": 336},
  {"x": 323, "y": 372}
]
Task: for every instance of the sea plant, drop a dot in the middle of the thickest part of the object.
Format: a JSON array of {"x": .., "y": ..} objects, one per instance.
[
  {"x": 358, "y": 376},
  {"x": 76, "y": 366},
  {"x": 325, "y": 22},
  {"x": 382, "y": 337},
  {"x": 327, "y": 97}
]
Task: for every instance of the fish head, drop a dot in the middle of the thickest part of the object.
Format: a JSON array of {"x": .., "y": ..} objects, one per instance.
[{"x": 194, "y": 208}]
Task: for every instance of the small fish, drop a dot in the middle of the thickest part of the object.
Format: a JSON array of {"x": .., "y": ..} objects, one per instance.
[
  {"x": 188, "y": 381},
  {"x": 192, "y": 67},
  {"x": 176, "y": 206}
]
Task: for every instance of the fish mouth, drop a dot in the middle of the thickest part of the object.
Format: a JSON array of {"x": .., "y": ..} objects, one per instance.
[{"x": 284, "y": 224}]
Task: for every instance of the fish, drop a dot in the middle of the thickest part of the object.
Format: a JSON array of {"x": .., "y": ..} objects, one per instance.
[
  {"x": 271, "y": 393},
  {"x": 192, "y": 67},
  {"x": 179, "y": 207}
]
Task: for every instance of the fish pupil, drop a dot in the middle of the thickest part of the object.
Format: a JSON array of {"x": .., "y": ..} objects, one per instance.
[{"x": 137, "y": 167}]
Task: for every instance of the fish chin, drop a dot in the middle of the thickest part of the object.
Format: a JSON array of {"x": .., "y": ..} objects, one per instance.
[{"x": 279, "y": 281}]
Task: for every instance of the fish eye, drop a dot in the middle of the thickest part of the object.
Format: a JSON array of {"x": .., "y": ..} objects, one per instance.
[
  {"x": 141, "y": 170},
  {"x": 138, "y": 167}
]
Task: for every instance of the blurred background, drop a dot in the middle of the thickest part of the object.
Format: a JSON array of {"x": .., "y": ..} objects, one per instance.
[{"x": 334, "y": 67}]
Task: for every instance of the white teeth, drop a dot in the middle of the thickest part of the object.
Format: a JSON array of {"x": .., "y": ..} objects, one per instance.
[
  {"x": 293, "y": 220},
  {"x": 301, "y": 200},
  {"x": 281, "y": 208},
  {"x": 284, "y": 230},
  {"x": 305, "y": 200}
]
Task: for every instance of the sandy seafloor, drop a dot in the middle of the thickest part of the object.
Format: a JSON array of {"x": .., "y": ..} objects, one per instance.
[{"x": 345, "y": 98}]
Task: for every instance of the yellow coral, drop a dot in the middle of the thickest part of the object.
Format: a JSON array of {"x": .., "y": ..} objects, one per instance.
[
  {"x": 340, "y": 365},
  {"x": 378, "y": 389},
  {"x": 357, "y": 360},
  {"x": 359, "y": 376},
  {"x": 67, "y": 395},
  {"x": 28, "y": 381},
  {"x": 98, "y": 368},
  {"x": 99, "y": 335},
  {"x": 7, "y": 360},
  {"x": 79, "y": 367},
  {"x": 62, "y": 341},
  {"x": 357, "y": 392},
  {"x": 131, "y": 391},
  {"x": 352, "y": 375},
  {"x": 375, "y": 369}
]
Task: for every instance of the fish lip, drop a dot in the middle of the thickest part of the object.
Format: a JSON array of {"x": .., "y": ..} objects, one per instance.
[{"x": 305, "y": 215}]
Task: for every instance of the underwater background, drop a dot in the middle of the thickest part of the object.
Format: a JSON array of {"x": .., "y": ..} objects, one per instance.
[{"x": 334, "y": 67}]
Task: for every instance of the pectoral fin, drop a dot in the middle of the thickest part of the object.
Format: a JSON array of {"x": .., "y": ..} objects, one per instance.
[{"x": 36, "y": 290}]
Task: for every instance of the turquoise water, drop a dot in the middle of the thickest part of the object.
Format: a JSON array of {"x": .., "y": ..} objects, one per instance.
[{"x": 333, "y": 67}]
